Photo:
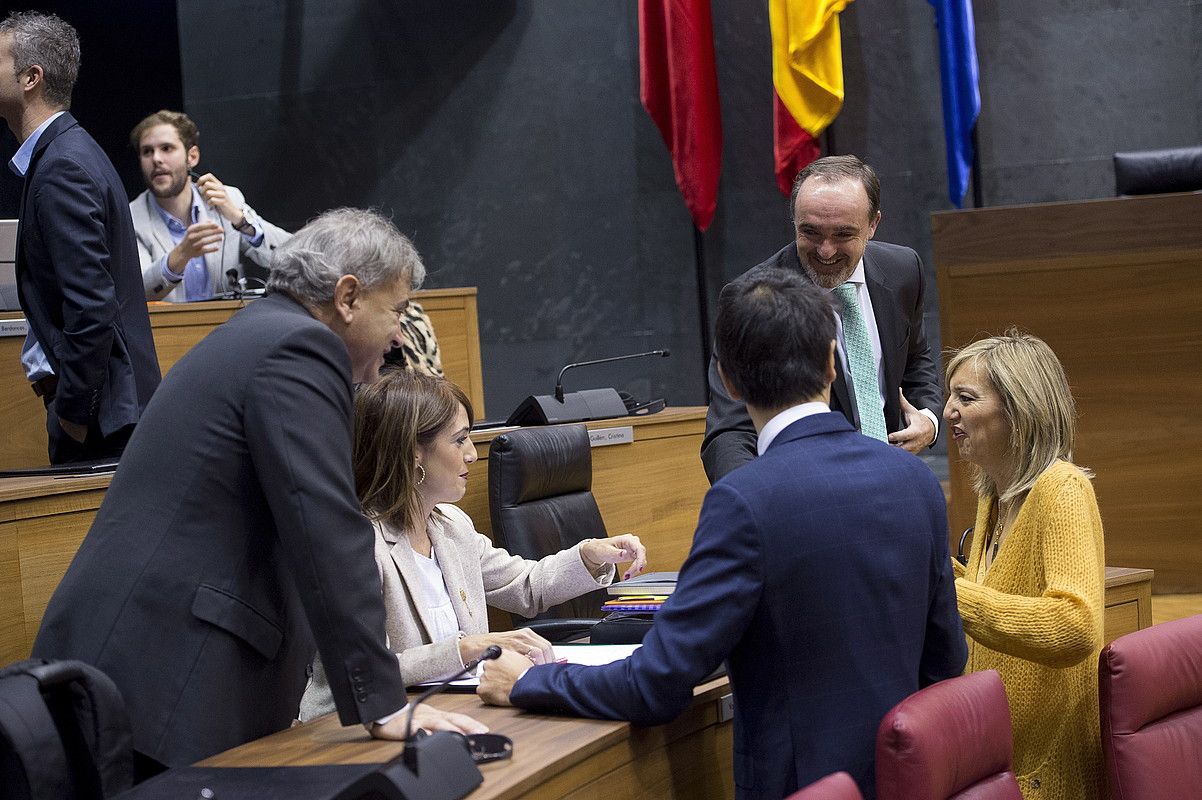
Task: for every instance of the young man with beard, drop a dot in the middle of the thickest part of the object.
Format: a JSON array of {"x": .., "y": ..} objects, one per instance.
[{"x": 191, "y": 233}]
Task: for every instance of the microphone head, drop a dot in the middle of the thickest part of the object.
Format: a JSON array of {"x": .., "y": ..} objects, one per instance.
[
  {"x": 232, "y": 273},
  {"x": 665, "y": 353},
  {"x": 491, "y": 652}
]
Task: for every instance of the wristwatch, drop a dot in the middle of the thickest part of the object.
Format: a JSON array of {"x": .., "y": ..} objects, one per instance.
[{"x": 247, "y": 225}]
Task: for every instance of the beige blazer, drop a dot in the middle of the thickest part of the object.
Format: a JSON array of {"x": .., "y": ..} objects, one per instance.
[{"x": 477, "y": 575}]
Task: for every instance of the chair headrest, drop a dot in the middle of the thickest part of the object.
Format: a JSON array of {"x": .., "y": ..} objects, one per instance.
[
  {"x": 1151, "y": 673},
  {"x": 532, "y": 463},
  {"x": 949, "y": 736},
  {"x": 1158, "y": 171}
]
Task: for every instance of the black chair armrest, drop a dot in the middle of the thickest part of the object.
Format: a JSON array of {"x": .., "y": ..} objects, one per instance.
[{"x": 560, "y": 631}]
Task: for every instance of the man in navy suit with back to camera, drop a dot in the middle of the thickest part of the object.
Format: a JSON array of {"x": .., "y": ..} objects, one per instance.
[
  {"x": 886, "y": 383},
  {"x": 819, "y": 572},
  {"x": 89, "y": 353}
]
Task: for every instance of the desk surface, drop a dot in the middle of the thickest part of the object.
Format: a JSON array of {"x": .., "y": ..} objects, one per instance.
[{"x": 554, "y": 756}]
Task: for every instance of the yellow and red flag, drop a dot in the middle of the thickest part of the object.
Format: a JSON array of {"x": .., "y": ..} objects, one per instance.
[{"x": 807, "y": 73}]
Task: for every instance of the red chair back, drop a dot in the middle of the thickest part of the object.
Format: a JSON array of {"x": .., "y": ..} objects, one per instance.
[
  {"x": 1150, "y": 697},
  {"x": 949, "y": 741},
  {"x": 837, "y": 786}
]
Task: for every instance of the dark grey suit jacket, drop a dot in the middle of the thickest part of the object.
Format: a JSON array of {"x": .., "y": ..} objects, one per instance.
[
  {"x": 229, "y": 540},
  {"x": 895, "y": 284},
  {"x": 79, "y": 282}
]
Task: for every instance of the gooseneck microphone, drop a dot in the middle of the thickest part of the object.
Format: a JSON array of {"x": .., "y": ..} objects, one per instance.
[
  {"x": 582, "y": 406},
  {"x": 493, "y": 651},
  {"x": 559, "y": 380}
]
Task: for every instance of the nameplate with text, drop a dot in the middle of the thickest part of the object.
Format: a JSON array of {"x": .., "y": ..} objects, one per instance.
[
  {"x": 13, "y": 327},
  {"x": 607, "y": 436}
]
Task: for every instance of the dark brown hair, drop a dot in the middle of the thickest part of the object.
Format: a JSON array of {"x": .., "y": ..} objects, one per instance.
[
  {"x": 393, "y": 416},
  {"x": 189, "y": 134}
]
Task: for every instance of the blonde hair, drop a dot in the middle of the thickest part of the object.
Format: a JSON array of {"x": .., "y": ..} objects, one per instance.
[{"x": 1036, "y": 399}]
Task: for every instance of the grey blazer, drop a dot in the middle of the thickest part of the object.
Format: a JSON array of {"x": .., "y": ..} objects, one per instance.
[
  {"x": 154, "y": 241},
  {"x": 477, "y": 575}
]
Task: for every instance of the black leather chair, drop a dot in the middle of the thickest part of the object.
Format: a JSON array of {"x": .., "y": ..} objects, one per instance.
[
  {"x": 1158, "y": 171},
  {"x": 541, "y": 501}
]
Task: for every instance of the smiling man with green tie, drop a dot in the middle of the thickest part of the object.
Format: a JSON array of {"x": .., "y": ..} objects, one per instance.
[{"x": 886, "y": 383}]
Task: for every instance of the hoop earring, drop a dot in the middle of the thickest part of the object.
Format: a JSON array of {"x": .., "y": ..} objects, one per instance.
[{"x": 422, "y": 477}]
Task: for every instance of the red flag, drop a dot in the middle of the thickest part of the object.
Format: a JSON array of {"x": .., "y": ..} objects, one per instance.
[
  {"x": 794, "y": 148},
  {"x": 679, "y": 88}
]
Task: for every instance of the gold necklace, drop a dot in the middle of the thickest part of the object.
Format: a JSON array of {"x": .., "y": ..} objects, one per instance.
[{"x": 998, "y": 527}]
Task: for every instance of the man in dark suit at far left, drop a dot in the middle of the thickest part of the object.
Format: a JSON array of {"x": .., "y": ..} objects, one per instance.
[{"x": 89, "y": 353}]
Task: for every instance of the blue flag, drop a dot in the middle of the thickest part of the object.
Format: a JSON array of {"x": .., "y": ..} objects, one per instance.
[{"x": 961, "y": 94}]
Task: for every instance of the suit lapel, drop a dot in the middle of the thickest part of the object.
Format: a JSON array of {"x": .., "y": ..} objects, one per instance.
[
  {"x": 406, "y": 563},
  {"x": 158, "y": 227},
  {"x": 890, "y": 327},
  {"x": 49, "y": 135},
  {"x": 452, "y": 571}
]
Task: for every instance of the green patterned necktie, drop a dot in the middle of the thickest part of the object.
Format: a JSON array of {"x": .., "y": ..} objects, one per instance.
[{"x": 862, "y": 363}]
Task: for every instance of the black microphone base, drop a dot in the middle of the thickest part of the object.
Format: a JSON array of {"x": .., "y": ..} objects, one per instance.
[
  {"x": 582, "y": 406},
  {"x": 434, "y": 767}
]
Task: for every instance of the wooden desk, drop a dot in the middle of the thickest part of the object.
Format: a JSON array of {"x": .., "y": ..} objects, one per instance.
[
  {"x": 1115, "y": 288},
  {"x": 554, "y": 757},
  {"x": 652, "y": 486},
  {"x": 177, "y": 327},
  {"x": 1128, "y": 601}
]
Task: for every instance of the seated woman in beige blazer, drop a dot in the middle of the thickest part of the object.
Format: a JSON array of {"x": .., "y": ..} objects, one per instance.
[{"x": 411, "y": 457}]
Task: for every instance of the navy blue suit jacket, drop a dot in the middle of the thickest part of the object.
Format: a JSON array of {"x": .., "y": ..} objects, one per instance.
[
  {"x": 820, "y": 573},
  {"x": 79, "y": 281}
]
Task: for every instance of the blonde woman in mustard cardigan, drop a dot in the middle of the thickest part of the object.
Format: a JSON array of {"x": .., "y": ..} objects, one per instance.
[{"x": 1031, "y": 594}]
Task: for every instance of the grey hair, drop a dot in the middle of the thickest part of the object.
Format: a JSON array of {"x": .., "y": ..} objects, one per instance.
[
  {"x": 49, "y": 42},
  {"x": 343, "y": 241}
]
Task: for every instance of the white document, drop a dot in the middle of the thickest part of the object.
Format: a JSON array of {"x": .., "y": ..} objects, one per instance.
[{"x": 588, "y": 654}]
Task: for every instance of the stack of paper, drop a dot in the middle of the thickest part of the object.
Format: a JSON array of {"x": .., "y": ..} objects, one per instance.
[
  {"x": 635, "y": 602},
  {"x": 652, "y": 583}
]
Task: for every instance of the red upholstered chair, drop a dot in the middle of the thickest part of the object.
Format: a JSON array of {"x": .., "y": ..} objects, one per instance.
[
  {"x": 1150, "y": 695},
  {"x": 837, "y": 786},
  {"x": 949, "y": 741}
]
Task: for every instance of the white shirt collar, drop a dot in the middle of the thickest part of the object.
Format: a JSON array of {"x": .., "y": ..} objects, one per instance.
[
  {"x": 857, "y": 275},
  {"x": 786, "y": 418}
]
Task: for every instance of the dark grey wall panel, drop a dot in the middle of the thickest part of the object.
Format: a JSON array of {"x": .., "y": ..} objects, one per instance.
[{"x": 507, "y": 138}]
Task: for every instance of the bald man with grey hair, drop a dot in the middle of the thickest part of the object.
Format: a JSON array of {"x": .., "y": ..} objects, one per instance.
[{"x": 231, "y": 540}]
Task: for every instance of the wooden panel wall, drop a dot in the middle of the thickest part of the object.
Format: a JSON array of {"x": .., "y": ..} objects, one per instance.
[
  {"x": 177, "y": 327},
  {"x": 1115, "y": 288}
]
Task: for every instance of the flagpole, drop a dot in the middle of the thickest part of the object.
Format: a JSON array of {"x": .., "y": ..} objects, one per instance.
[
  {"x": 977, "y": 202},
  {"x": 703, "y": 309}
]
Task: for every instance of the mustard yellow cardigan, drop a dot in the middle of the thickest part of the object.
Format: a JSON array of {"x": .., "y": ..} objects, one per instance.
[{"x": 1036, "y": 617}]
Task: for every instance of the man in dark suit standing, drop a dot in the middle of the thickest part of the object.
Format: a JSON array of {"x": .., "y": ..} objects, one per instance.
[
  {"x": 819, "y": 572},
  {"x": 886, "y": 383},
  {"x": 231, "y": 540},
  {"x": 89, "y": 353}
]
